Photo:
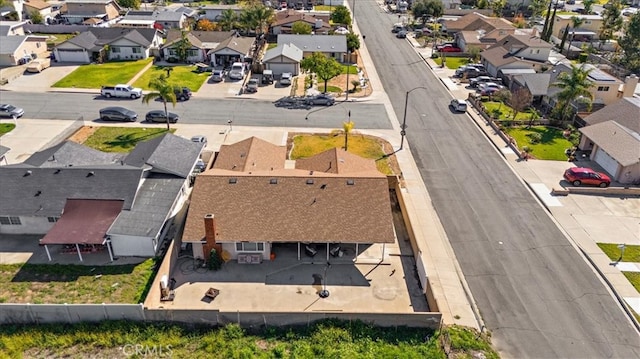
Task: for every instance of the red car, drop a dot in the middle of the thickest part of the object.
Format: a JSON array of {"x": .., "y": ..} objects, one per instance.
[
  {"x": 583, "y": 175},
  {"x": 449, "y": 48}
]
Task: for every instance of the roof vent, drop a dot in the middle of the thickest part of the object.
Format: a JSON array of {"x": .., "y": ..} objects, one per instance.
[
  {"x": 350, "y": 182},
  {"x": 57, "y": 171},
  {"x": 91, "y": 174},
  {"x": 323, "y": 186},
  {"x": 273, "y": 181},
  {"x": 38, "y": 193},
  {"x": 311, "y": 173},
  {"x": 233, "y": 180},
  {"x": 309, "y": 181},
  {"x": 28, "y": 173}
]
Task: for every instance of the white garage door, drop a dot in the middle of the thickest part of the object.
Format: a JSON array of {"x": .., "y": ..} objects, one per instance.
[
  {"x": 607, "y": 162},
  {"x": 72, "y": 56},
  {"x": 278, "y": 69}
]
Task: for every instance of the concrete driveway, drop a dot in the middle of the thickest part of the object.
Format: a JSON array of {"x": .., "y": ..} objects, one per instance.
[
  {"x": 232, "y": 89},
  {"x": 40, "y": 82}
]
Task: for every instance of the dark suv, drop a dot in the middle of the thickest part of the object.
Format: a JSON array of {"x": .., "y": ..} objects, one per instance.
[{"x": 183, "y": 94}]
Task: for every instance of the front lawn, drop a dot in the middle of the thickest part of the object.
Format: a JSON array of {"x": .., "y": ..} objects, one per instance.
[
  {"x": 56, "y": 283},
  {"x": 185, "y": 76},
  {"x": 93, "y": 76},
  {"x": 364, "y": 146},
  {"x": 505, "y": 112},
  {"x": 121, "y": 139},
  {"x": 452, "y": 62},
  {"x": 6, "y": 128},
  {"x": 352, "y": 69},
  {"x": 550, "y": 147},
  {"x": 631, "y": 252},
  {"x": 634, "y": 278}
]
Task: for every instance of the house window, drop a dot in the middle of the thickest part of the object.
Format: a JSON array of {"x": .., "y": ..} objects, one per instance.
[
  {"x": 250, "y": 246},
  {"x": 603, "y": 88},
  {"x": 173, "y": 52},
  {"x": 10, "y": 221},
  {"x": 115, "y": 49},
  {"x": 136, "y": 50},
  {"x": 37, "y": 45},
  {"x": 192, "y": 53},
  {"x": 53, "y": 219}
]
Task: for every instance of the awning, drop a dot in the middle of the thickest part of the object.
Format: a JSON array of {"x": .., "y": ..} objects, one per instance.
[{"x": 84, "y": 221}]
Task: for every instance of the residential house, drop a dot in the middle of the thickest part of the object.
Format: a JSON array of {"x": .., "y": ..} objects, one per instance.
[
  {"x": 590, "y": 26},
  {"x": 536, "y": 84},
  {"x": 516, "y": 52},
  {"x": 233, "y": 49},
  {"x": 14, "y": 48},
  {"x": 474, "y": 22},
  {"x": 8, "y": 28},
  {"x": 283, "y": 58},
  {"x": 201, "y": 42},
  {"x": 604, "y": 90},
  {"x": 253, "y": 202},
  {"x": 164, "y": 19},
  {"x": 482, "y": 39},
  {"x": 12, "y": 10},
  {"x": 334, "y": 46},
  {"x": 110, "y": 44},
  {"x": 78, "y": 196},
  {"x": 214, "y": 12},
  {"x": 613, "y": 136},
  {"x": 284, "y": 22},
  {"x": 91, "y": 11},
  {"x": 39, "y": 6}
]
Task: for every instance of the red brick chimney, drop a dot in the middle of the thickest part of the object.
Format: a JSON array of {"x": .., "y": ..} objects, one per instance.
[{"x": 210, "y": 236}]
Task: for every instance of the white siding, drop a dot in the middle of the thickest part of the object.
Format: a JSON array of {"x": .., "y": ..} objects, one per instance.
[
  {"x": 29, "y": 225},
  {"x": 231, "y": 248},
  {"x": 128, "y": 246},
  {"x": 126, "y": 50}
]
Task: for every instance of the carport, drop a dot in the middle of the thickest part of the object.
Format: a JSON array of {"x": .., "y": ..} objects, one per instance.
[{"x": 83, "y": 224}]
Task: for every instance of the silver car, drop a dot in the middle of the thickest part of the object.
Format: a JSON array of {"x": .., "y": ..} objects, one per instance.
[
  {"x": 217, "y": 75},
  {"x": 10, "y": 111},
  {"x": 285, "y": 79},
  {"x": 321, "y": 99}
]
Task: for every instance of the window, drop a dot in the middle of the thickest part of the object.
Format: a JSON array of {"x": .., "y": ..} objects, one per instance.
[
  {"x": 173, "y": 52},
  {"x": 10, "y": 220},
  {"x": 603, "y": 88},
  {"x": 250, "y": 246},
  {"x": 115, "y": 49},
  {"x": 587, "y": 22},
  {"x": 192, "y": 53},
  {"x": 53, "y": 219},
  {"x": 273, "y": 181},
  {"x": 136, "y": 50}
]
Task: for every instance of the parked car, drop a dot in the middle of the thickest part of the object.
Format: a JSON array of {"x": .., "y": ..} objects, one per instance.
[
  {"x": 449, "y": 48},
  {"x": 321, "y": 99},
  {"x": 183, "y": 94},
  {"x": 475, "y": 82},
  {"x": 582, "y": 175},
  {"x": 252, "y": 85},
  {"x": 237, "y": 71},
  {"x": 10, "y": 111},
  {"x": 125, "y": 91},
  {"x": 199, "y": 139},
  {"x": 267, "y": 77},
  {"x": 159, "y": 116},
  {"x": 402, "y": 34},
  {"x": 470, "y": 72},
  {"x": 38, "y": 65},
  {"x": 458, "y": 105},
  {"x": 489, "y": 91},
  {"x": 489, "y": 85},
  {"x": 115, "y": 113},
  {"x": 285, "y": 78},
  {"x": 217, "y": 75},
  {"x": 397, "y": 28}
]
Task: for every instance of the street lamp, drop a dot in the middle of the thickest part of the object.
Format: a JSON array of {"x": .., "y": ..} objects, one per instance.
[
  {"x": 230, "y": 125},
  {"x": 324, "y": 293},
  {"x": 403, "y": 127},
  {"x": 348, "y": 70},
  {"x": 621, "y": 247}
]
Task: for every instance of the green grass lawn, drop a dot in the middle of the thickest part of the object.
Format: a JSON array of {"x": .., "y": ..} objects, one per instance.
[
  {"x": 186, "y": 76},
  {"x": 272, "y": 45},
  {"x": 551, "y": 147},
  {"x": 122, "y": 139},
  {"x": 634, "y": 278},
  {"x": 353, "y": 70},
  {"x": 324, "y": 339},
  {"x": 93, "y": 76},
  {"x": 333, "y": 89},
  {"x": 361, "y": 145},
  {"x": 631, "y": 252},
  {"x": 56, "y": 39},
  {"x": 506, "y": 111},
  {"x": 55, "y": 283},
  {"x": 452, "y": 62},
  {"x": 323, "y": 8},
  {"x": 6, "y": 128}
]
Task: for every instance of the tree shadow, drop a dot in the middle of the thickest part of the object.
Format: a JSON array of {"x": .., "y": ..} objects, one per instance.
[{"x": 130, "y": 140}]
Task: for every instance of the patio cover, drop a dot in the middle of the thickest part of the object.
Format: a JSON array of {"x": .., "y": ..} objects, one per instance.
[{"x": 84, "y": 222}]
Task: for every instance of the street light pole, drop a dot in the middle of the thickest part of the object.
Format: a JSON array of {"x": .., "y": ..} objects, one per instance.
[
  {"x": 403, "y": 127},
  {"x": 348, "y": 70}
]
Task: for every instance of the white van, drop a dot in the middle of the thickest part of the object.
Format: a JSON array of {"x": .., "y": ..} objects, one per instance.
[
  {"x": 237, "y": 71},
  {"x": 458, "y": 105}
]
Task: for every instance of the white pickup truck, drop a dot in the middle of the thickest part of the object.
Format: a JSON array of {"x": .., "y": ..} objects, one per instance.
[
  {"x": 38, "y": 65},
  {"x": 121, "y": 91}
]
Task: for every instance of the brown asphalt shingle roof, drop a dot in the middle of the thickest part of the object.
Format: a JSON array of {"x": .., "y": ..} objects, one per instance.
[
  {"x": 475, "y": 21},
  {"x": 349, "y": 205},
  {"x": 522, "y": 41},
  {"x": 197, "y": 38},
  {"x": 619, "y": 142},
  {"x": 625, "y": 112}
]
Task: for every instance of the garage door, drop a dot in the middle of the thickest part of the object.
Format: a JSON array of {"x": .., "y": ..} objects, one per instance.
[
  {"x": 72, "y": 56},
  {"x": 278, "y": 69},
  {"x": 607, "y": 162}
]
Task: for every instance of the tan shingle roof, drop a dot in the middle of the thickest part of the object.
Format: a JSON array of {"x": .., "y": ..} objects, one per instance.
[
  {"x": 523, "y": 41},
  {"x": 291, "y": 16},
  {"x": 37, "y": 4},
  {"x": 619, "y": 142},
  {"x": 625, "y": 112},
  {"x": 338, "y": 161},
  {"x": 252, "y": 154},
  {"x": 462, "y": 22},
  {"x": 475, "y": 21},
  {"x": 241, "y": 45},
  {"x": 319, "y": 207}
]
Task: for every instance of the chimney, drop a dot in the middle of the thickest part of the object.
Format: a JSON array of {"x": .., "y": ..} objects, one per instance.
[
  {"x": 630, "y": 84},
  {"x": 210, "y": 236}
]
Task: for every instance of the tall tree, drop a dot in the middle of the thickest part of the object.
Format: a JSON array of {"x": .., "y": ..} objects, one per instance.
[
  {"x": 498, "y": 6},
  {"x": 301, "y": 27},
  {"x": 546, "y": 21},
  {"x": 537, "y": 7},
  {"x": 547, "y": 36},
  {"x": 574, "y": 86},
  {"x": 347, "y": 127},
  {"x": 611, "y": 20},
  {"x": 576, "y": 22},
  {"x": 520, "y": 100},
  {"x": 264, "y": 17},
  {"x": 341, "y": 15},
  {"x": 183, "y": 46},
  {"x": 630, "y": 44},
  {"x": 424, "y": 9},
  {"x": 588, "y": 6},
  {"x": 353, "y": 42},
  {"x": 228, "y": 20},
  {"x": 129, "y": 4},
  {"x": 205, "y": 25},
  {"x": 164, "y": 91},
  {"x": 36, "y": 17},
  {"x": 325, "y": 68}
]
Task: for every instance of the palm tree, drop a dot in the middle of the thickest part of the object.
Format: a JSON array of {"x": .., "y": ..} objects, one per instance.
[
  {"x": 575, "y": 23},
  {"x": 164, "y": 91},
  {"x": 264, "y": 17},
  {"x": 347, "y": 127},
  {"x": 228, "y": 20},
  {"x": 574, "y": 86}
]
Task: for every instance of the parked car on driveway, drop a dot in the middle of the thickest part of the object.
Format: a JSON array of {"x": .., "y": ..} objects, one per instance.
[
  {"x": 321, "y": 99},
  {"x": 159, "y": 116},
  {"x": 10, "y": 111},
  {"x": 115, "y": 113},
  {"x": 475, "y": 82},
  {"x": 252, "y": 85},
  {"x": 488, "y": 85},
  {"x": 582, "y": 175},
  {"x": 470, "y": 72},
  {"x": 217, "y": 75},
  {"x": 285, "y": 78},
  {"x": 183, "y": 94},
  {"x": 448, "y": 48},
  {"x": 489, "y": 91}
]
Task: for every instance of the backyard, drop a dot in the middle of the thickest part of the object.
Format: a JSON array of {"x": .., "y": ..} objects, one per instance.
[
  {"x": 183, "y": 76},
  {"x": 361, "y": 145},
  {"x": 93, "y": 76},
  {"x": 43, "y": 283},
  {"x": 115, "y": 139},
  {"x": 546, "y": 143}
]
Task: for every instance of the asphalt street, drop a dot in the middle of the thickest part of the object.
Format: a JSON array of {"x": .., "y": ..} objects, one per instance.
[
  {"x": 535, "y": 292},
  {"x": 243, "y": 112}
]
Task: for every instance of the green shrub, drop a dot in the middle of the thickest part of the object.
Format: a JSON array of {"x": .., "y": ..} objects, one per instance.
[
  {"x": 535, "y": 137},
  {"x": 215, "y": 261},
  {"x": 582, "y": 58}
]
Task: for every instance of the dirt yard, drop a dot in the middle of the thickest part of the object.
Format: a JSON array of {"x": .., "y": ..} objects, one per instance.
[{"x": 82, "y": 134}]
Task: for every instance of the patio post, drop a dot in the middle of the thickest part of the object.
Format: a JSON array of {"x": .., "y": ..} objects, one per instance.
[
  {"x": 46, "y": 248},
  {"x": 298, "y": 250},
  {"x": 108, "y": 243},
  {"x": 383, "y": 248},
  {"x": 327, "y": 251},
  {"x": 355, "y": 256},
  {"x": 79, "y": 254}
]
